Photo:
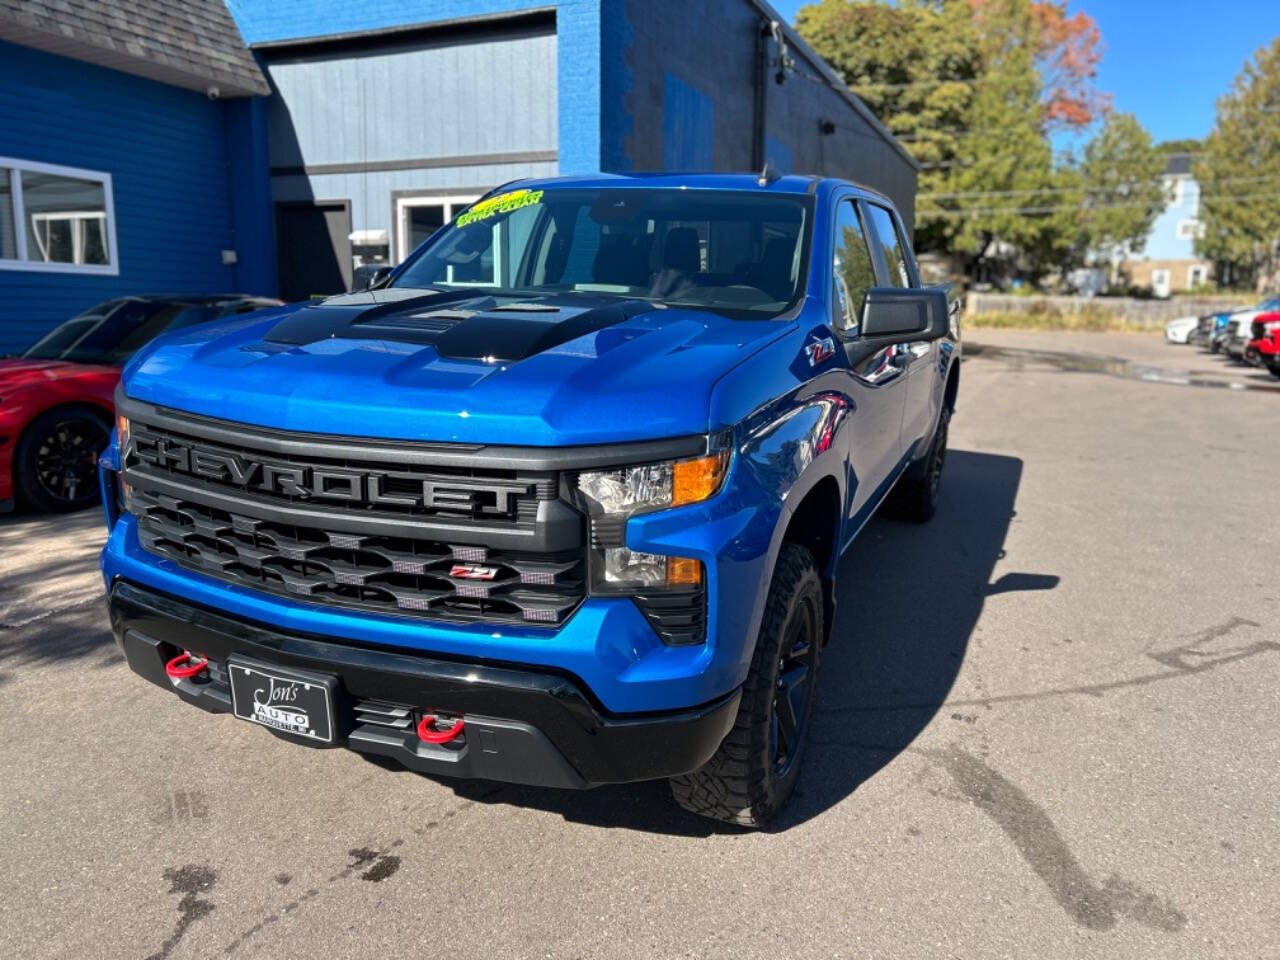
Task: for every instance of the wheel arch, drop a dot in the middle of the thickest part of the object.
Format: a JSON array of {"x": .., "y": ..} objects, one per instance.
[
  {"x": 814, "y": 524},
  {"x": 952, "y": 389}
]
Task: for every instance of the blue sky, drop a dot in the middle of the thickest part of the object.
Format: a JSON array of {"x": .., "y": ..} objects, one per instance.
[{"x": 1167, "y": 61}]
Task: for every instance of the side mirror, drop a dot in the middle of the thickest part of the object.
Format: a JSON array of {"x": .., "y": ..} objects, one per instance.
[
  {"x": 370, "y": 277},
  {"x": 891, "y": 314}
]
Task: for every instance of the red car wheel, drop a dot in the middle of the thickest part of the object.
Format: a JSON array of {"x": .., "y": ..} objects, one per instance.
[{"x": 55, "y": 465}]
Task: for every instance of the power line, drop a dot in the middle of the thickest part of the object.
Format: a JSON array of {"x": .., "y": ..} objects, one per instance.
[
  {"x": 962, "y": 194},
  {"x": 981, "y": 211}
]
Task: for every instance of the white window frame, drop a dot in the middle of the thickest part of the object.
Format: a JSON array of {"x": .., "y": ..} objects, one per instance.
[
  {"x": 452, "y": 204},
  {"x": 1197, "y": 275},
  {"x": 1189, "y": 228},
  {"x": 16, "y": 167}
]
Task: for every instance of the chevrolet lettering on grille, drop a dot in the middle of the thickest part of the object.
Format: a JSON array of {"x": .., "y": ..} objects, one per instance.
[{"x": 392, "y": 489}]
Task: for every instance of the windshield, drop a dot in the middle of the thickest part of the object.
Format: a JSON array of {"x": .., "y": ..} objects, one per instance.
[
  {"x": 738, "y": 252},
  {"x": 110, "y": 334}
]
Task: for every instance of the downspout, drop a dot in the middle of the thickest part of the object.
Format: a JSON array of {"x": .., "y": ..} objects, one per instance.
[{"x": 761, "y": 103}]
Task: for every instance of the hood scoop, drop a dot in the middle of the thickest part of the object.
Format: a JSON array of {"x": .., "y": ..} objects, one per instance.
[
  {"x": 461, "y": 326},
  {"x": 437, "y": 322}
]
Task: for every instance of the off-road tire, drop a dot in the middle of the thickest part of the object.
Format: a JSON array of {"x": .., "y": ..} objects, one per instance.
[
  {"x": 743, "y": 783},
  {"x": 40, "y": 441},
  {"x": 915, "y": 497}
]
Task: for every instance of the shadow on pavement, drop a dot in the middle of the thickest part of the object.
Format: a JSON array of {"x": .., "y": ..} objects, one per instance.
[
  {"x": 51, "y": 607},
  {"x": 909, "y": 598}
]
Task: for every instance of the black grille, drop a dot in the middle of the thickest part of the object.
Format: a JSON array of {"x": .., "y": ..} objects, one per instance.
[
  {"x": 340, "y": 484},
  {"x": 679, "y": 617},
  {"x": 456, "y": 582}
]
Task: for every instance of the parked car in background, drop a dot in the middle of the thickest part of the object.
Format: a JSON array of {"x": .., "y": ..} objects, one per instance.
[
  {"x": 1218, "y": 342},
  {"x": 1264, "y": 347},
  {"x": 1236, "y": 339},
  {"x": 1203, "y": 332},
  {"x": 1179, "y": 330},
  {"x": 1240, "y": 325},
  {"x": 56, "y": 399}
]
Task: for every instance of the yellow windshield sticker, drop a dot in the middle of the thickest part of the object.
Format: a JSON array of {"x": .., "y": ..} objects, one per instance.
[{"x": 502, "y": 203}]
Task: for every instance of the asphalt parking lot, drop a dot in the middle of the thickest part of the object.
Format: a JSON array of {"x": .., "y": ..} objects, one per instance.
[{"x": 1047, "y": 728}]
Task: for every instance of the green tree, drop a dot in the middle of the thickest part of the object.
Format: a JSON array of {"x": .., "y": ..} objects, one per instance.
[
  {"x": 914, "y": 65},
  {"x": 972, "y": 88},
  {"x": 1003, "y": 202},
  {"x": 1239, "y": 174},
  {"x": 1123, "y": 194}
]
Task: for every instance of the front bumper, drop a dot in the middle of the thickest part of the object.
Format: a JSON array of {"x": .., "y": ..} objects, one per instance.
[{"x": 521, "y": 726}]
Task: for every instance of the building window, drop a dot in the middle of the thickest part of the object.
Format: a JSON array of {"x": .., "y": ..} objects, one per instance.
[
  {"x": 56, "y": 219},
  {"x": 1190, "y": 229},
  {"x": 1196, "y": 276},
  {"x": 418, "y": 217}
]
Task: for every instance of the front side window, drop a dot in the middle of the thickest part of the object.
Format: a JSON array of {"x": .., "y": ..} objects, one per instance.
[
  {"x": 55, "y": 218},
  {"x": 734, "y": 252},
  {"x": 852, "y": 272},
  {"x": 895, "y": 256}
]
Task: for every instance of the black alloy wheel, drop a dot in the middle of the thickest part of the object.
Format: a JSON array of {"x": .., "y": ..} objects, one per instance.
[
  {"x": 56, "y": 462},
  {"x": 754, "y": 771},
  {"x": 793, "y": 696}
]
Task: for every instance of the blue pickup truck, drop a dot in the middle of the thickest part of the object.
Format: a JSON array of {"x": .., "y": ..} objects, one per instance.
[{"x": 558, "y": 501}]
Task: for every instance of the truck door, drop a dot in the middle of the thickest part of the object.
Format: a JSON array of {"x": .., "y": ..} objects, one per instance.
[
  {"x": 876, "y": 381},
  {"x": 919, "y": 359}
]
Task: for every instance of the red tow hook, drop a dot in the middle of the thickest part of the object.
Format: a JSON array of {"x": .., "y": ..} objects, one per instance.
[
  {"x": 428, "y": 734},
  {"x": 184, "y": 666}
]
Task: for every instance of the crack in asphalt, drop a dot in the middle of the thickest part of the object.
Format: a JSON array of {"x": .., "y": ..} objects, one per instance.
[
  {"x": 1183, "y": 660},
  {"x": 1039, "y": 843},
  {"x": 373, "y": 865},
  {"x": 18, "y": 624}
]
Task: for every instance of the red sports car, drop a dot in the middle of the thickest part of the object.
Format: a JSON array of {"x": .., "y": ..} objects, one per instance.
[{"x": 56, "y": 405}]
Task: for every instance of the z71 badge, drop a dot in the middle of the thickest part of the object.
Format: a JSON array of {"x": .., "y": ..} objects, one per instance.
[{"x": 820, "y": 350}]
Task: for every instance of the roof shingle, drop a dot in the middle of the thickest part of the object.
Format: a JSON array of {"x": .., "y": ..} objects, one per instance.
[{"x": 187, "y": 43}]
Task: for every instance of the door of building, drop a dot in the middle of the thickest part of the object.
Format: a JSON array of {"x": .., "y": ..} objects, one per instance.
[
  {"x": 313, "y": 248},
  {"x": 1161, "y": 284}
]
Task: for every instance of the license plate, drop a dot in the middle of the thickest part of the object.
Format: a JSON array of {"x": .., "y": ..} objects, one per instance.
[{"x": 293, "y": 702}]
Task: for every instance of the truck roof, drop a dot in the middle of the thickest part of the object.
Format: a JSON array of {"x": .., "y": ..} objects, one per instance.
[{"x": 790, "y": 183}]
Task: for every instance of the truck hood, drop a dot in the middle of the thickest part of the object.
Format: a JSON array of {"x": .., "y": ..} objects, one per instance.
[{"x": 455, "y": 367}]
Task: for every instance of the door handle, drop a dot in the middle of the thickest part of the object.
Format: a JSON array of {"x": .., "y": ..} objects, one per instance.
[{"x": 901, "y": 360}]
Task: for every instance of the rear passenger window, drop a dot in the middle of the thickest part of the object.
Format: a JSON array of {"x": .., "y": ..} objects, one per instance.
[
  {"x": 895, "y": 256},
  {"x": 852, "y": 272}
]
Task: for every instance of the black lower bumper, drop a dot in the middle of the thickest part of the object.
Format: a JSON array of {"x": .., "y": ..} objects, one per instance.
[{"x": 521, "y": 726}]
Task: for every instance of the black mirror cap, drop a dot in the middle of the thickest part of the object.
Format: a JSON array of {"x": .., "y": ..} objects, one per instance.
[
  {"x": 370, "y": 276},
  {"x": 894, "y": 313}
]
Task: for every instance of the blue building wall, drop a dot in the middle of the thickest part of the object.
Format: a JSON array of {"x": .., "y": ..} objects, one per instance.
[
  {"x": 171, "y": 153},
  {"x": 689, "y": 102},
  {"x": 1163, "y": 242},
  {"x": 688, "y": 136}
]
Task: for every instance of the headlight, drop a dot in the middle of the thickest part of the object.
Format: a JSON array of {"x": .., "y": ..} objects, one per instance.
[
  {"x": 123, "y": 491},
  {"x": 613, "y": 496}
]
